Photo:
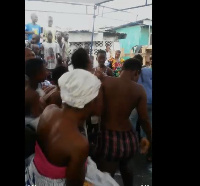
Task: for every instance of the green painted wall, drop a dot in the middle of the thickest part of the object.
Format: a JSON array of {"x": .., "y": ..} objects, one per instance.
[
  {"x": 132, "y": 38},
  {"x": 144, "y": 39},
  {"x": 136, "y": 35}
]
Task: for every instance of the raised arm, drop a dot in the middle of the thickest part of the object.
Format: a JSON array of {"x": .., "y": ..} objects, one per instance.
[
  {"x": 27, "y": 31},
  {"x": 110, "y": 72},
  {"x": 36, "y": 108}
]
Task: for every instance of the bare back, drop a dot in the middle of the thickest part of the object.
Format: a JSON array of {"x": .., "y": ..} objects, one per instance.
[
  {"x": 120, "y": 98},
  {"x": 56, "y": 134}
]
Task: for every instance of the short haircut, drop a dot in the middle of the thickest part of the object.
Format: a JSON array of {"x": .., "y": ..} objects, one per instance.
[
  {"x": 118, "y": 51},
  {"x": 101, "y": 52},
  {"x": 61, "y": 33},
  {"x": 80, "y": 59},
  {"x": 132, "y": 64},
  {"x": 65, "y": 32},
  {"x": 57, "y": 73},
  {"x": 33, "y": 14},
  {"x": 139, "y": 57},
  {"x": 37, "y": 37},
  {"x": 33, "y": 67},
  {"x": 49, "y": 32}
]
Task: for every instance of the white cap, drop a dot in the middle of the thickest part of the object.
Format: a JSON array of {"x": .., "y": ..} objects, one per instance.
[{"x": 78, "y": 87}]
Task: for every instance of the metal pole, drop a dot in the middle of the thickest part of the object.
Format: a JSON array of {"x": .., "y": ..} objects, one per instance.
[{"x": 93, "y": 31}]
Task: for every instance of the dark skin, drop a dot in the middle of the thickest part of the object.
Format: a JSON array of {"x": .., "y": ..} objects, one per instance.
[
  {"x": 53, "y": 98},
  {"x": 50, "y": 22},
  {"x": 36, "y": 49},
  {"x": 49, "y": 40},
  {"x": 107, "y": 48},
  {"x": 39, "y": 77},
  {"x": 34, "y": 19},
  {"x": 35, "y": 39},
  {"x": 32, "y": 101},
  {"x": 101, "y": 58},
  {"x": 121, "y": 96},
  {"x": 29, "y": 54},
  {"x": 66, "y": 37},
  {"x": 59, "y": 38},
  {"x": 57, "y": 128},
  {"x": 117, "y": 55},
  {"x": 129, "y": 95}
]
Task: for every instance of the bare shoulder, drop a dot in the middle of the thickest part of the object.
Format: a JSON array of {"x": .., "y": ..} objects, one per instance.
[
  {"x": 32, "y": 95},
  {"x": 107, "y": 79},
  {"x": 140, "y": 89},
  {"x": 80, "y": 146},
  {"x": 50, "y": 108}
]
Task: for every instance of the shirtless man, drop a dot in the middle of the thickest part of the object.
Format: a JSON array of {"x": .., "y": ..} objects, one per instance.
[
  {"x": 101, "y": 58},
  {"x": 61, "y": 150},
  {"x": 35, "y": 70},
  {"x": 117, "y": 142},
  {"x": 29, "y": 54}
]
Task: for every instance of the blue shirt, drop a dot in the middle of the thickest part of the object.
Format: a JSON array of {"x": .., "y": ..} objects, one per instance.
[
  {"x": 145, "y": 80},
  {"x": 30, "y": 27}
]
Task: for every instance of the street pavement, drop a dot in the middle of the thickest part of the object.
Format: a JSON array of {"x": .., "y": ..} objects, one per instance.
[{"x": 142, "y": 170}]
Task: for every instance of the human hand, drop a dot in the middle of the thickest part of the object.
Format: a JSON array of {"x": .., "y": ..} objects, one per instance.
[
  {"x": 144, "y": 146},
  {"x": 99, "y": 74}
]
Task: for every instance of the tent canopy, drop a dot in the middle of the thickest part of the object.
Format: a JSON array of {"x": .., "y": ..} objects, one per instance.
[{"x": 94, "y": 2}]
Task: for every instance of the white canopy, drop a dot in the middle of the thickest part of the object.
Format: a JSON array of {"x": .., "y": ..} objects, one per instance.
[
  {"x": 76, "y": 1},
  {"x": 79, "y": 14}
]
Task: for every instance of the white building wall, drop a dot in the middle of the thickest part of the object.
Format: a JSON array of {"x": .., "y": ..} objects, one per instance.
[{"x": 79, "y": 39}]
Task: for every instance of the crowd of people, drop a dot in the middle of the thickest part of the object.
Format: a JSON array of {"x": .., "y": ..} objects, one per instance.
[{"x": 83, "y": 125}]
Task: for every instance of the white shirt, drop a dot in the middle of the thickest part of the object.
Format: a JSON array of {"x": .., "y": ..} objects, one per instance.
[{"x": 50, "y": 50}]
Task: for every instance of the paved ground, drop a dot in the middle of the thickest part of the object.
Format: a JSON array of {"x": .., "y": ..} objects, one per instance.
[{"x": 143, "y": 172}]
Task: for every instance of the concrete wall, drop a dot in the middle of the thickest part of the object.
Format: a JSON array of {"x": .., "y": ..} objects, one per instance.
[
  {"x": 80, "y": 39},
  {"x": 144, "y": 39},
  {"x": 132, "y": 38},
  {"x": 136, "y": 35},
  {"x": 84, "y": 37}
]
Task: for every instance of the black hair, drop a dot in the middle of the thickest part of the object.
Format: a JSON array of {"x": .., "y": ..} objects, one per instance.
[
  {"x": 132, "y": 64},
  {"x": 80, "y": 59},
  {"x": 57, "y": 73},
  {"x": 119, "y": 51},
  {"x": 49, "y": 32},
  {"x": 101, "y": 52},
  {"x": 33, "y": 67},
  {"x": 60, "y": 33},
  {"x": 139, "y": 57}
]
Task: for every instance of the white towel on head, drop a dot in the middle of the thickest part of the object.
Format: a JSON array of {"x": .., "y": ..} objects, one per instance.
[{"x": 78, "y": 87}]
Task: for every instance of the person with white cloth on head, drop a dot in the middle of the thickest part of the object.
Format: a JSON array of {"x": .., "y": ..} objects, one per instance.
[{"x": 61, "y": 151}]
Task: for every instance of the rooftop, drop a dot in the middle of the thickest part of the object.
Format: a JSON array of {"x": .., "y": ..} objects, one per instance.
[{"x": 143, "y": 22}]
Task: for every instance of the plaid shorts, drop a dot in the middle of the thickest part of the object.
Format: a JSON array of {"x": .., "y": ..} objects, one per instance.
[{"x": 116, "y": 145}]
